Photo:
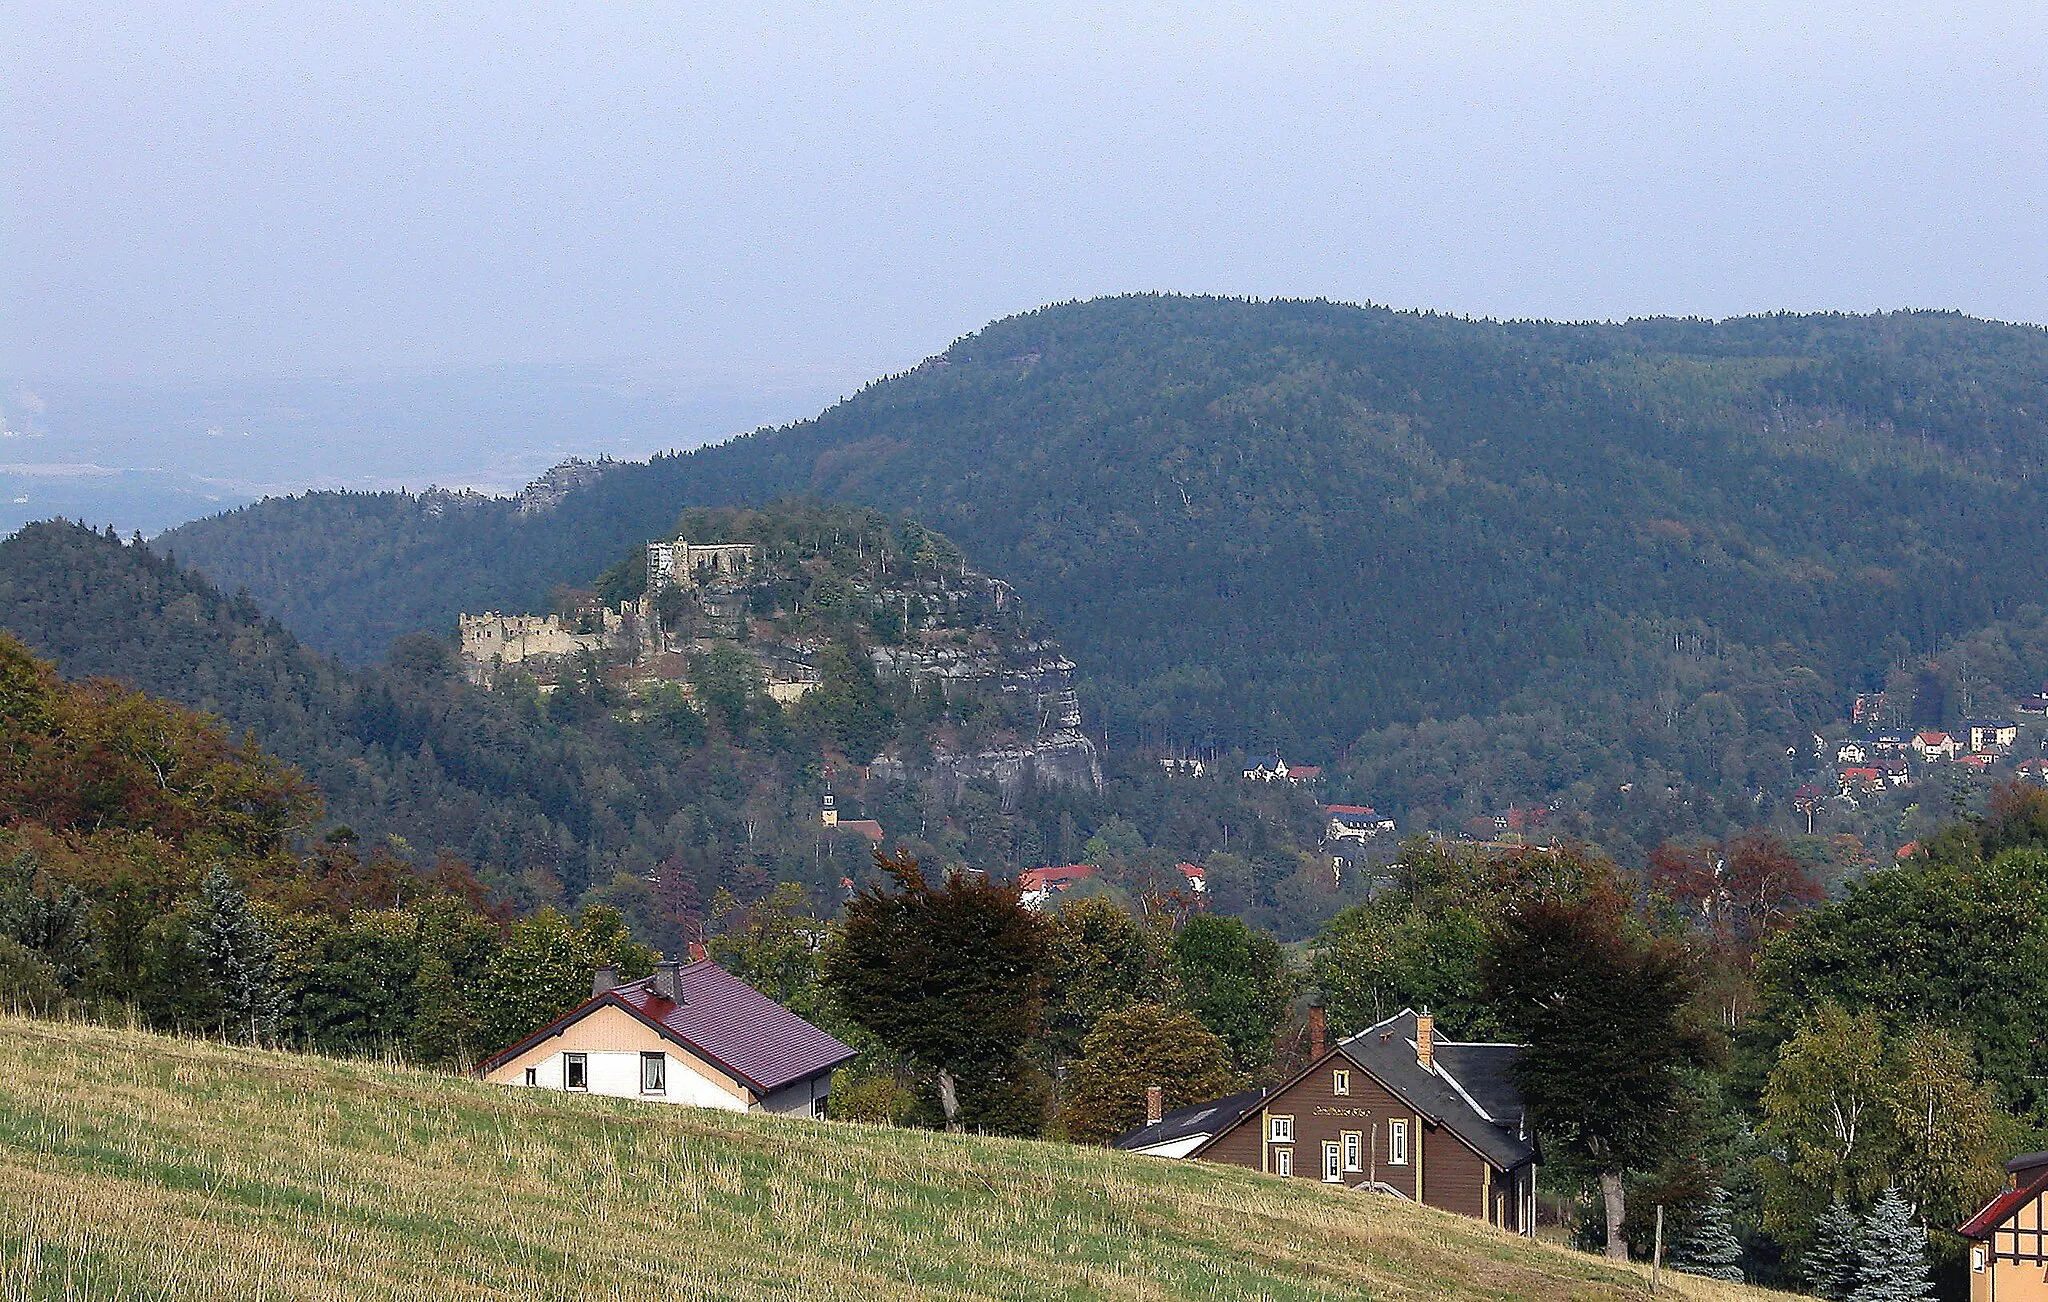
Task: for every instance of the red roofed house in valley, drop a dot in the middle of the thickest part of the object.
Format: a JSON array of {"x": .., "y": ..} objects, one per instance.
[
  {"x": 2009, "y": 1238},
  {"x": 1041, "y": 884},
  {"x": 691, "y": 1033}
]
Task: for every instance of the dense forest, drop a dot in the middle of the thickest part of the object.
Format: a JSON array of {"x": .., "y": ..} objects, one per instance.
[
  {"x": 650, "y": 805},
  {"x": 1485, "y": 564}
]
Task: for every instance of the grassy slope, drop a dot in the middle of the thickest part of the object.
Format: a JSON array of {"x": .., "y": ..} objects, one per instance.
[{"x": 137, "y": 1166}]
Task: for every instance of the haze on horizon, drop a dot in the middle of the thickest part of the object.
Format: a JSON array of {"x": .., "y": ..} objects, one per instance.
[{"x": 783, "y": 204}]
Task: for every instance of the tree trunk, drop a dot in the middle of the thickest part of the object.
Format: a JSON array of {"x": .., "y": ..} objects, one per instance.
[
  {"x": 1610, "y": 1194},
  {"x": 949, "y": 1099}
]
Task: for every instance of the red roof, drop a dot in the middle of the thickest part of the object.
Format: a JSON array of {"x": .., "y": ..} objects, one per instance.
[
  {"x": 1297, "y": 772},
  {"x": 1998, "y": 1209},
  {"x": 866, "y": 827},
  {"x": 1934, "y": 738},
  {"x": 1356, "y": 811},
  {"x": 1192, "y": 871},
  {"x": 721, "y": 1018},
  {"x": 1867, "y": 775},
  {"x": 1038, "y": 879}
]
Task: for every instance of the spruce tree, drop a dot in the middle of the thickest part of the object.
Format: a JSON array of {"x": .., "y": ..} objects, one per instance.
[
  {"x": 1712, "y": 1249},
  {"x": 1832, "y": 1263},
  {"x": 1894, "y": 1255},
  {"x": 239, "y": 959}
]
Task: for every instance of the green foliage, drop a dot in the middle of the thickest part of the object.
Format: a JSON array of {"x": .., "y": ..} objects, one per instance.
[
  {"x": 49, "y": 918},
  {"x": 239, "y": 958},
  {"x": 1711, "y": 1249},
  {"x": 1856, "y": 1107},
  {"x": 545, "y": 967},
  {"x": 28, "y": 981},
  {"x": 1834, "y": 1262},
  {"x": 1236, "y": 981},
  {"x": 881, "y": 1100},
  {"x": 1101, "y": 960},
  {"x": 1131, "y": 1050},
  {"x": 1892, "y": 1255},
  {"x": 772, "y": 945}
]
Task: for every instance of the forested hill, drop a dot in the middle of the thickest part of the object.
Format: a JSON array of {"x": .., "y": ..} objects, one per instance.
[{"x": 1286, "y": 523}]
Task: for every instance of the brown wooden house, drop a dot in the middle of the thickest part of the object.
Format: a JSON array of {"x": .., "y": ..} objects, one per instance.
[
  {"x": 1397, "y": 1111},
  {"x": 2009, "y": 1237}
]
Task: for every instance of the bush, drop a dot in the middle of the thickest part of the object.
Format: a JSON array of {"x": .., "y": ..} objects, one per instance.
[
  {"x": 28, "y": 981},
  {"x": 880, "y": 1099}
]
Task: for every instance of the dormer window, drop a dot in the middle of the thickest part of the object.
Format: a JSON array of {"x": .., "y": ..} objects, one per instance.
[{"x": 1340, "y": 1082}]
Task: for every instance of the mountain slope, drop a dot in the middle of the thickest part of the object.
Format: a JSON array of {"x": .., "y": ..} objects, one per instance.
[
  {"x": 1287, "y": 523},
  {"x": 144, "y": 1167}
]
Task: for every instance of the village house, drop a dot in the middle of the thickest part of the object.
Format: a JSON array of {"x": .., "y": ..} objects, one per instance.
[
  {"x": 1390, "y": 1110},
  {"x": 1991, "y": 734},
  {"x": 867, "y": 827},
  {"x": 1932, "y": 746},
  {"x": 2009, "y": 1238},
  {"x": 2035, "y": 704},
  {"x": 1890, "y": 743},
  {"x": 692, "y": 1033},
  {"x": 1852, "y": 752},
  {"x": 2034, "y": 770},
  {"x": 1182, "y": 767},
  {"x": 1279, "y": 770},
  {"x": 1041, "y": 884},
  {"x": 1359, "y": 823},
  {"x": 1861, "y": 781}
]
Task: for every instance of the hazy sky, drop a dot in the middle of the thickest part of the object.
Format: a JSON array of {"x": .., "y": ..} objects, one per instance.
[{"x": 264, "y": 188}]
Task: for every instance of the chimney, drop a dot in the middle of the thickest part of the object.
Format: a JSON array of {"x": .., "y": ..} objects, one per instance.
[
  {"x": 668, "y": 981},
  {"x": 602, "y": 980},
  {"x": 1155, "y": 1104},
  {"x": 1425, "y": 1041},
  {"x": 697, "y": 954},
  {"x": 1318, "y": 1029}
]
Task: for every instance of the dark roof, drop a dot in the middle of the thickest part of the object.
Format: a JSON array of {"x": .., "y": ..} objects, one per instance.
[
  {"x": 1194, "y": 1119},
  {"x": 1998, "y": 1209},
  {"x": 721, "y": 1018},
  {"x": 1470, "y": 1093}
]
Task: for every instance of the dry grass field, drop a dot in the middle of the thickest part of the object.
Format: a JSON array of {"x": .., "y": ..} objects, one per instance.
[{"x": 134, "y": 1166}]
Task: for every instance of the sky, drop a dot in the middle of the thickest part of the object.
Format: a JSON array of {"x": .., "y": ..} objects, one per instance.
[{"x": 802, "y": 198}]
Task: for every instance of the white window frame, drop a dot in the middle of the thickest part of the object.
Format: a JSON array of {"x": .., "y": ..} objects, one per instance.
[
  {"x": 1397, "y": 1143},
  {"x": 1977, "y": 1261},
  {"x": 1283, "y": 1161},
  {"x": 571, "y": 1061},
  {"x": 532, "y": 1076},
  {"x": 1280, "y": 1131},
  {"x": 1340, "y": 1082},
  {"x": 1333, "y": 1162},
  {"x": 659, "y": 1061},
  {"x": 1354, "y": 1150}
]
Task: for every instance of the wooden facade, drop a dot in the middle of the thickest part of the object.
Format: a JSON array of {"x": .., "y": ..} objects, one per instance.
[{"x": 1340, "y": 1123}]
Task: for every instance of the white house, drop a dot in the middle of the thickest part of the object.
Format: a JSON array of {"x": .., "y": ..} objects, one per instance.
[{"x": 691, "y": 1033}]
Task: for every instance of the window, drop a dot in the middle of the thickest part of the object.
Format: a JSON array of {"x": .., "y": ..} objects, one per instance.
[
  {"x": 533, "y": 1075},
  {"x": 653, "y": 1073},
  {"x": 576, "y": 1071},
  {"x": 1397, "y": 1143},
  {"x": 821, "y": 1106},
  {"x": 1352, "y": 1145},
  {"x": 1283, "y": 1161},
  {"x": 1333, "y": 1163},
  {"x": 1283, "y": 1130},
  {"x": 1977, "y": 1260},
  {"x": 1340, "y": 1082}
]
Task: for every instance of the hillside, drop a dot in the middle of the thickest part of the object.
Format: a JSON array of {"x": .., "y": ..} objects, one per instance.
[
  {"x": 144, "y": 1167},
  {"x": 1650, "y": 553}
]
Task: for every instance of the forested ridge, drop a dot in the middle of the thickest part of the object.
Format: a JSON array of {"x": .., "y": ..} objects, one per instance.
[{"x": 1340, "y": 531}]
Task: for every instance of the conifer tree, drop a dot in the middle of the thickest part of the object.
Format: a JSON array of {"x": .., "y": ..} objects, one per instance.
[
  {"x": 239, "y": 959},
  {"x": 1712, "y": 1250},
  {"x": 1832, "y": 1263},
  {"x": 1894, "y": 1255}
]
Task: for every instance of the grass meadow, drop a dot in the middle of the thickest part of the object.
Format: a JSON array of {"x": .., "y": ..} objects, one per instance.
[{"x": 136, "y": 1166}]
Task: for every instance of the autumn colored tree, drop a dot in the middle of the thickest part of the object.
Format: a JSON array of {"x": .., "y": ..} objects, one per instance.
[
  {"x": 1601, "y": 1007},
  {"x": 949, "y": 975},
  {"x": 1131, "y": 1050}
]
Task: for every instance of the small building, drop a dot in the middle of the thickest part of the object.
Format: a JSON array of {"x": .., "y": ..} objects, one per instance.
[
  {"x": 692, "y": 1033},
  {"x": 2035, "y": 771},
  {"x": 1852, "y": 752},
  {"x": 1858, "y": 781},
  {"x": 2037, "y": 704},
  {"x": 1303, "y": 774},
  {"x": 1183, "y": 767},
  {"x": 1267, "y": 770},
  {"x": 2009, "y": 1238},
  {"x": 1890, "y": 743},
  {"x": 1391, "y": 1110},
  {"x": 1934, "y": 746},
  {"x": 1039, "y": 885},
  {"x": 1196, "y": 875}
]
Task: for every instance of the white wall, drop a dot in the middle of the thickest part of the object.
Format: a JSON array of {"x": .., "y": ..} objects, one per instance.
[{"x": 618, "y": 1074}]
